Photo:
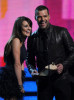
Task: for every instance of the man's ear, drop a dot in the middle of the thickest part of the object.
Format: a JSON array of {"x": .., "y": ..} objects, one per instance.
[
  {"x": 35, "y": 18},
  {"x": 49, "y": 17}
]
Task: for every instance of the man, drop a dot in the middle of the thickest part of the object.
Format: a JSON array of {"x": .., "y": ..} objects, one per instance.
[{"x": 50, "y": 44}]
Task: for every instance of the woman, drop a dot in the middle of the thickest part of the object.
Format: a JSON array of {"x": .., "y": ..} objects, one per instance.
[{"x": 11, "y": 87}]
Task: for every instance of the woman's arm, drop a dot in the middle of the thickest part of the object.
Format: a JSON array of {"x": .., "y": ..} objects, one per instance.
[{"x": 16, "y": 45}]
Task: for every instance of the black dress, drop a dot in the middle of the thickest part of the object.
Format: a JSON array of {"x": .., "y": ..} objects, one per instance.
[{"x": 8, "y": 81}]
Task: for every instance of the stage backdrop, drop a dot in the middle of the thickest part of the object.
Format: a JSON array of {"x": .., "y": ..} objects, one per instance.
[{"x": 61, "y": 12}]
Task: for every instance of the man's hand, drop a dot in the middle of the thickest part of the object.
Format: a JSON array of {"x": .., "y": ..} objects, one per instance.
[{"x": 59, "y": 68}]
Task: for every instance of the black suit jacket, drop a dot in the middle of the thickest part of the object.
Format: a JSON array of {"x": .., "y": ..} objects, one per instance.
[{"x": 54, "y": 44}]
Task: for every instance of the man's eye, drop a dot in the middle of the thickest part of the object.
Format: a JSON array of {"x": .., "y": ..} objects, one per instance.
[
  {"x": 39, "y": 17},
  {"x": 45, "y": 16}
]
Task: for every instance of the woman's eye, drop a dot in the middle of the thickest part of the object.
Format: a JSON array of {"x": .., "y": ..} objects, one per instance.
[{"x": 25, "y": 26}]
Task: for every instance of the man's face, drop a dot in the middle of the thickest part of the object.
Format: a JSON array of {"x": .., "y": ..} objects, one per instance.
[{"x": 42, "y": 17}]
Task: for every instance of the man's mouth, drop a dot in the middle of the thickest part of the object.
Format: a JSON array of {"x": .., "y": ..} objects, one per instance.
[{"x": 43, "y": 23}]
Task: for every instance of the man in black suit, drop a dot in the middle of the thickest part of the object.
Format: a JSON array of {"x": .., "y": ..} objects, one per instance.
[{"x": 50, "y": 44}]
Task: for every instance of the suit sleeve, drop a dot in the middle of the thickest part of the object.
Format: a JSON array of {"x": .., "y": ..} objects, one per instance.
[
  {"x": 30, "y": 61},
  {"x": 69, "y": 45}
]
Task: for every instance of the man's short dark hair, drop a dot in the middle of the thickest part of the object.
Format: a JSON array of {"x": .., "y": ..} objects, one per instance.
[{"x": 41, "y": 7}]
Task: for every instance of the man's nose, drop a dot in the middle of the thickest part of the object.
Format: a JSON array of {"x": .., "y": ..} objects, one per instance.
[{"x": 42, "y": 18}]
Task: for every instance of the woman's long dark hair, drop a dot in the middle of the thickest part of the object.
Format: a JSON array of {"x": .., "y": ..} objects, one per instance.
[{"x": 16, "y": 33}]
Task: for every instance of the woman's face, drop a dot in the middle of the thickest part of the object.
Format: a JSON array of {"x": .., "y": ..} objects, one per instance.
[{"x": 26, "y": 29}]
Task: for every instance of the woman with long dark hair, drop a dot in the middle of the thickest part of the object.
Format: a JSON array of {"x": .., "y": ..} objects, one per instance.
[{"x": 11, "y": 84}]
